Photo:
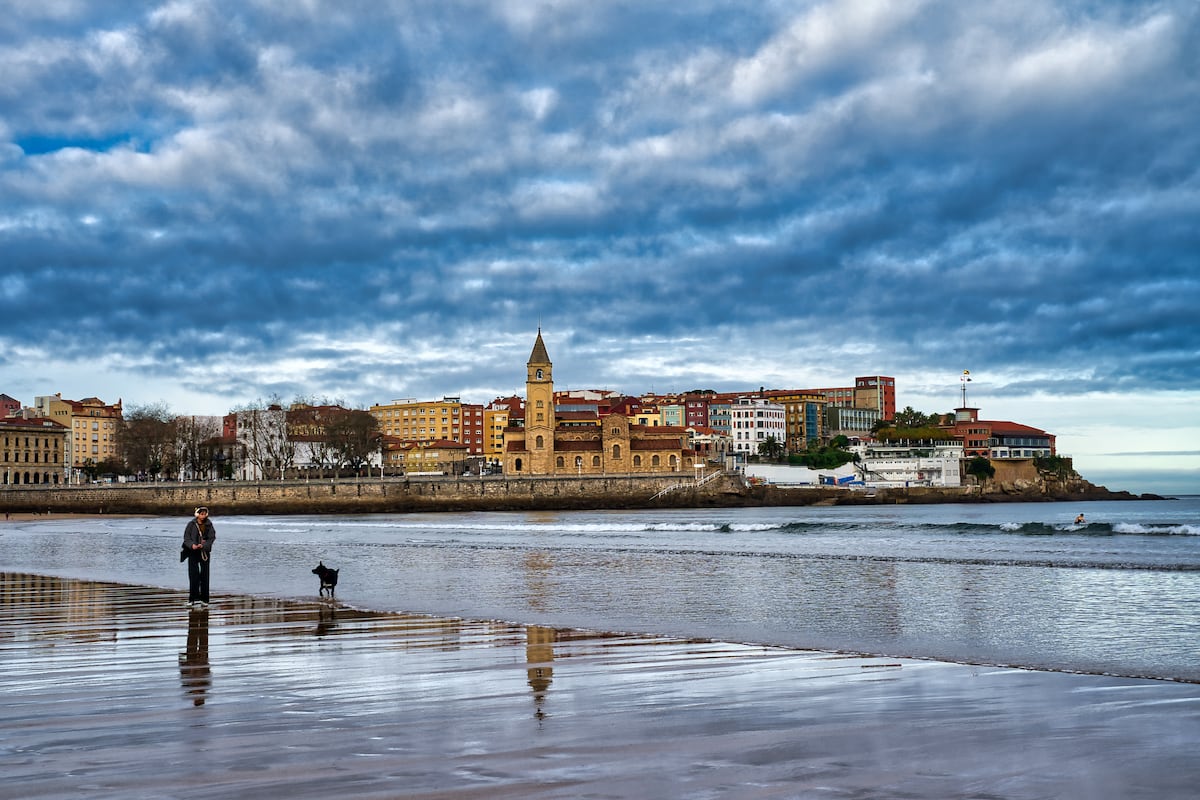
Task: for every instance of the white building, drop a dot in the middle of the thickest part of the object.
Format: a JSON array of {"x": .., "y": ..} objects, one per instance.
[
  {"x": 752, "y": 420},
  {"x": 932, "y": 463}
]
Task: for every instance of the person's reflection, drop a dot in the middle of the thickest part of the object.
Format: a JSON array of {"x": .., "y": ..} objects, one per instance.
[
  {"x": 539, "y": 654},
  {"x": 194, "y": 671}
]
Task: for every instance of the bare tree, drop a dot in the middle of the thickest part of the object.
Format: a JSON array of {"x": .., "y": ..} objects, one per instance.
[
  {"x": 146, "y": 439},
  {"x": 263, "y": 432},
  {"x": 193, "y": 443},
  {"x": 308, "y": 427},
  {"x": 354, "y": 436}
]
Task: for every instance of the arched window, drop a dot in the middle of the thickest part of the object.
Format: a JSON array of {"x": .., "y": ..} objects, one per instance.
[
  {"x": 540, "y": 442},
  {"x": 637, "y": 461},
  {"x": 578, "y": 462},
  {"x": 655, "y": 461},
  {"x": 539, "y": 374},
  {"x": 560, "y": 462},
  {"x": 595, "y": 461},
  {"x": 616, "y": 451},
  {"x": 674, "y": 462},
  {"x": 517, "y": 464}
]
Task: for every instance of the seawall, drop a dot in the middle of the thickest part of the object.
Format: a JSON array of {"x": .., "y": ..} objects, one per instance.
[
  {"x": 397, "y": 495},
  {"x": 372, "y": 495}
]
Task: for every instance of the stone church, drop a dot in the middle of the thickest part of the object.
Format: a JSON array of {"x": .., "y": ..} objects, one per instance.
[{"x": 606, "y": 445}]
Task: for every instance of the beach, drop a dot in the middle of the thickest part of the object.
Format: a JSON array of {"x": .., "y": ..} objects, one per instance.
[{"x": 121, "y": 691}]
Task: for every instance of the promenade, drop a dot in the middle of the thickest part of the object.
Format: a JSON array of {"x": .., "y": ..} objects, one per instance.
[{"x": 113, "y": 691}]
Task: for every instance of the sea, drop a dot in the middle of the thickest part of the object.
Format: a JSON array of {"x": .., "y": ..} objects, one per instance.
[{"x": 1005, "y": 584}]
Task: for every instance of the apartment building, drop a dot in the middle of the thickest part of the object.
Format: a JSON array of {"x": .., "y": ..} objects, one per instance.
[
  {"x": 32, "y": 451},
  {"x": 869, "y": 391},
  {"x": 804, "y": 416},
  {"x": 93, "y": 426},
  {"x": 423, "y": 421},
  {"x": 495, "y": 420},
  {"x": 9, "y": 406},
  {"x": 753, "y": 420}
]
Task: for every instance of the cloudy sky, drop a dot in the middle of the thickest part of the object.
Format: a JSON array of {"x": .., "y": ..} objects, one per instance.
[{"x": 207, "y": 203}]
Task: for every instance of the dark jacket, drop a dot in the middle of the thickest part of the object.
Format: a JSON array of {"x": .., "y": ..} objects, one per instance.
[{"x": 191, "y": 536}]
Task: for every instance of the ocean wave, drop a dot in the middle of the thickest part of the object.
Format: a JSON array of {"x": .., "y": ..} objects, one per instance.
[{"x": 640, "y": 527}]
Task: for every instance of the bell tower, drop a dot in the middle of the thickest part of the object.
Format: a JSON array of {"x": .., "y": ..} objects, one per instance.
[{"x": 539, "y": 409}]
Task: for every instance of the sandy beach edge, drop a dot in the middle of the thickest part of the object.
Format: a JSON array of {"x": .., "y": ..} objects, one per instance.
[{"x": 255, "y": 697}]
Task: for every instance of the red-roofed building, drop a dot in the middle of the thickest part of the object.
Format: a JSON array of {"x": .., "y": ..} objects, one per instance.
[
  {"x": 1000, "y": 438},
  {"x": 553, "y": 440},
  {"x": 9, "y": 406}
]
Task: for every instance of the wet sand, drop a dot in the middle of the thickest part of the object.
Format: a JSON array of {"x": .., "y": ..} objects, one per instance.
[{"x": 115, "y": 691}]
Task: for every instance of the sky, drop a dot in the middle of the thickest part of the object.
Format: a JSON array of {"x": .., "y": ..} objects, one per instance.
[{"x": 209, "y": 203}]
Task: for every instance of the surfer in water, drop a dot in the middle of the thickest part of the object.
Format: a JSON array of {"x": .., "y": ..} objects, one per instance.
[{"x": 1080, "y": 520}]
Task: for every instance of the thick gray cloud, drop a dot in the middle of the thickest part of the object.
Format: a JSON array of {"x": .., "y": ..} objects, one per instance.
[{"x": 374, "y": 200}]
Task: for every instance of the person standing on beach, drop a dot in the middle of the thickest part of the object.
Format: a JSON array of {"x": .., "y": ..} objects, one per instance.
[{"x": 198, "y": 541}]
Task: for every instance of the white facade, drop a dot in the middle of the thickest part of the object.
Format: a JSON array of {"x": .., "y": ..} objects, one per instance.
[
  {"x": 752, "y": 420},
  {"x": 919, "y": 464}
]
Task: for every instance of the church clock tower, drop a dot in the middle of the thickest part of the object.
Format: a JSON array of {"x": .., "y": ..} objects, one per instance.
[{"x": 539, "y": 409}]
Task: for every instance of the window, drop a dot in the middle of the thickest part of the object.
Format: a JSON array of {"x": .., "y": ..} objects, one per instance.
[
  {"x": 560, "y": 462},
  {"x": 637, "y": 461},
  {"x": 540, "y": 442},
  {"x": 616, "y": 451}
]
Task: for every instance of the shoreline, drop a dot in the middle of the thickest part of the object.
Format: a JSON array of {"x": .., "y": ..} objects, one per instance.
[
  {"x": 500, "y": 494},
  {"x": 262, "y": 697}
]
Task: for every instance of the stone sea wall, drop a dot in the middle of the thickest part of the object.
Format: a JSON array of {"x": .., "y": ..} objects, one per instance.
[
  {"x": 394, "y": 495},
  {"x": 372, "y": 496}
]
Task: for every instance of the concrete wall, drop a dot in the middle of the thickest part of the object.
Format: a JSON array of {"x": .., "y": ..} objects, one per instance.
[{"x": 366, "y": 496}]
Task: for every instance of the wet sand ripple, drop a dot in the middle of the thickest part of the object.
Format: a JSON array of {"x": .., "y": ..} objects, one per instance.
[{"x": 121, "y": 691}]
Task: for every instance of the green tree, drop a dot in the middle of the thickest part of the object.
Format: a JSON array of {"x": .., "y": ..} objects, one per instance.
[
  {"x": 981, "y": 468},
  {"x": 771, "y": 449},
  {"x": 829, "y": 456}
]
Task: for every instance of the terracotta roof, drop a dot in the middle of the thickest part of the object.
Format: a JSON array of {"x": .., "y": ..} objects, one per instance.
[
  {"x": 1004, "y": 426},
  {"x": 32, "y": 422},
  {"x": 653, "y": 444},
  {"x": 576, "y": 446}
]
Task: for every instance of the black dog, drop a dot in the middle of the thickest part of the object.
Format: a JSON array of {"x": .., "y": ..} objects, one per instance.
[{"x": 328, "y": 578}]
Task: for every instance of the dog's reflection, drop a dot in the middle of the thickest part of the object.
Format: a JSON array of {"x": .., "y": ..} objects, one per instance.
[
  {"x": 194, "y": 672},
  {"x": 326, "y": 619}
]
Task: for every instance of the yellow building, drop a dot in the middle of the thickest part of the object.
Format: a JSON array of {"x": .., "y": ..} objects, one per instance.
[
  {"x": 32, "y": 451},
  {"x": 543, "y": 446},
  {"x": 438, "y": 457},
  {"x": 93, "y": 428},
  {"x": 804, "y": 415},
  {"x": 495, "y": 420},
  {"x": 415, "y": 421}
]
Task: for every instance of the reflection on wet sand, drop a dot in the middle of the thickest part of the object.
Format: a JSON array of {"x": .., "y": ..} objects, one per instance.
[
  {"x": 539, "y": 653},
  {"x": 194, "y": 671},
  {"x": 318, "y": 700}
]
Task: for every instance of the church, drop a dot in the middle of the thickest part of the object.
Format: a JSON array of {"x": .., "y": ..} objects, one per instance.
[{"x": 541, "y": 444}]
